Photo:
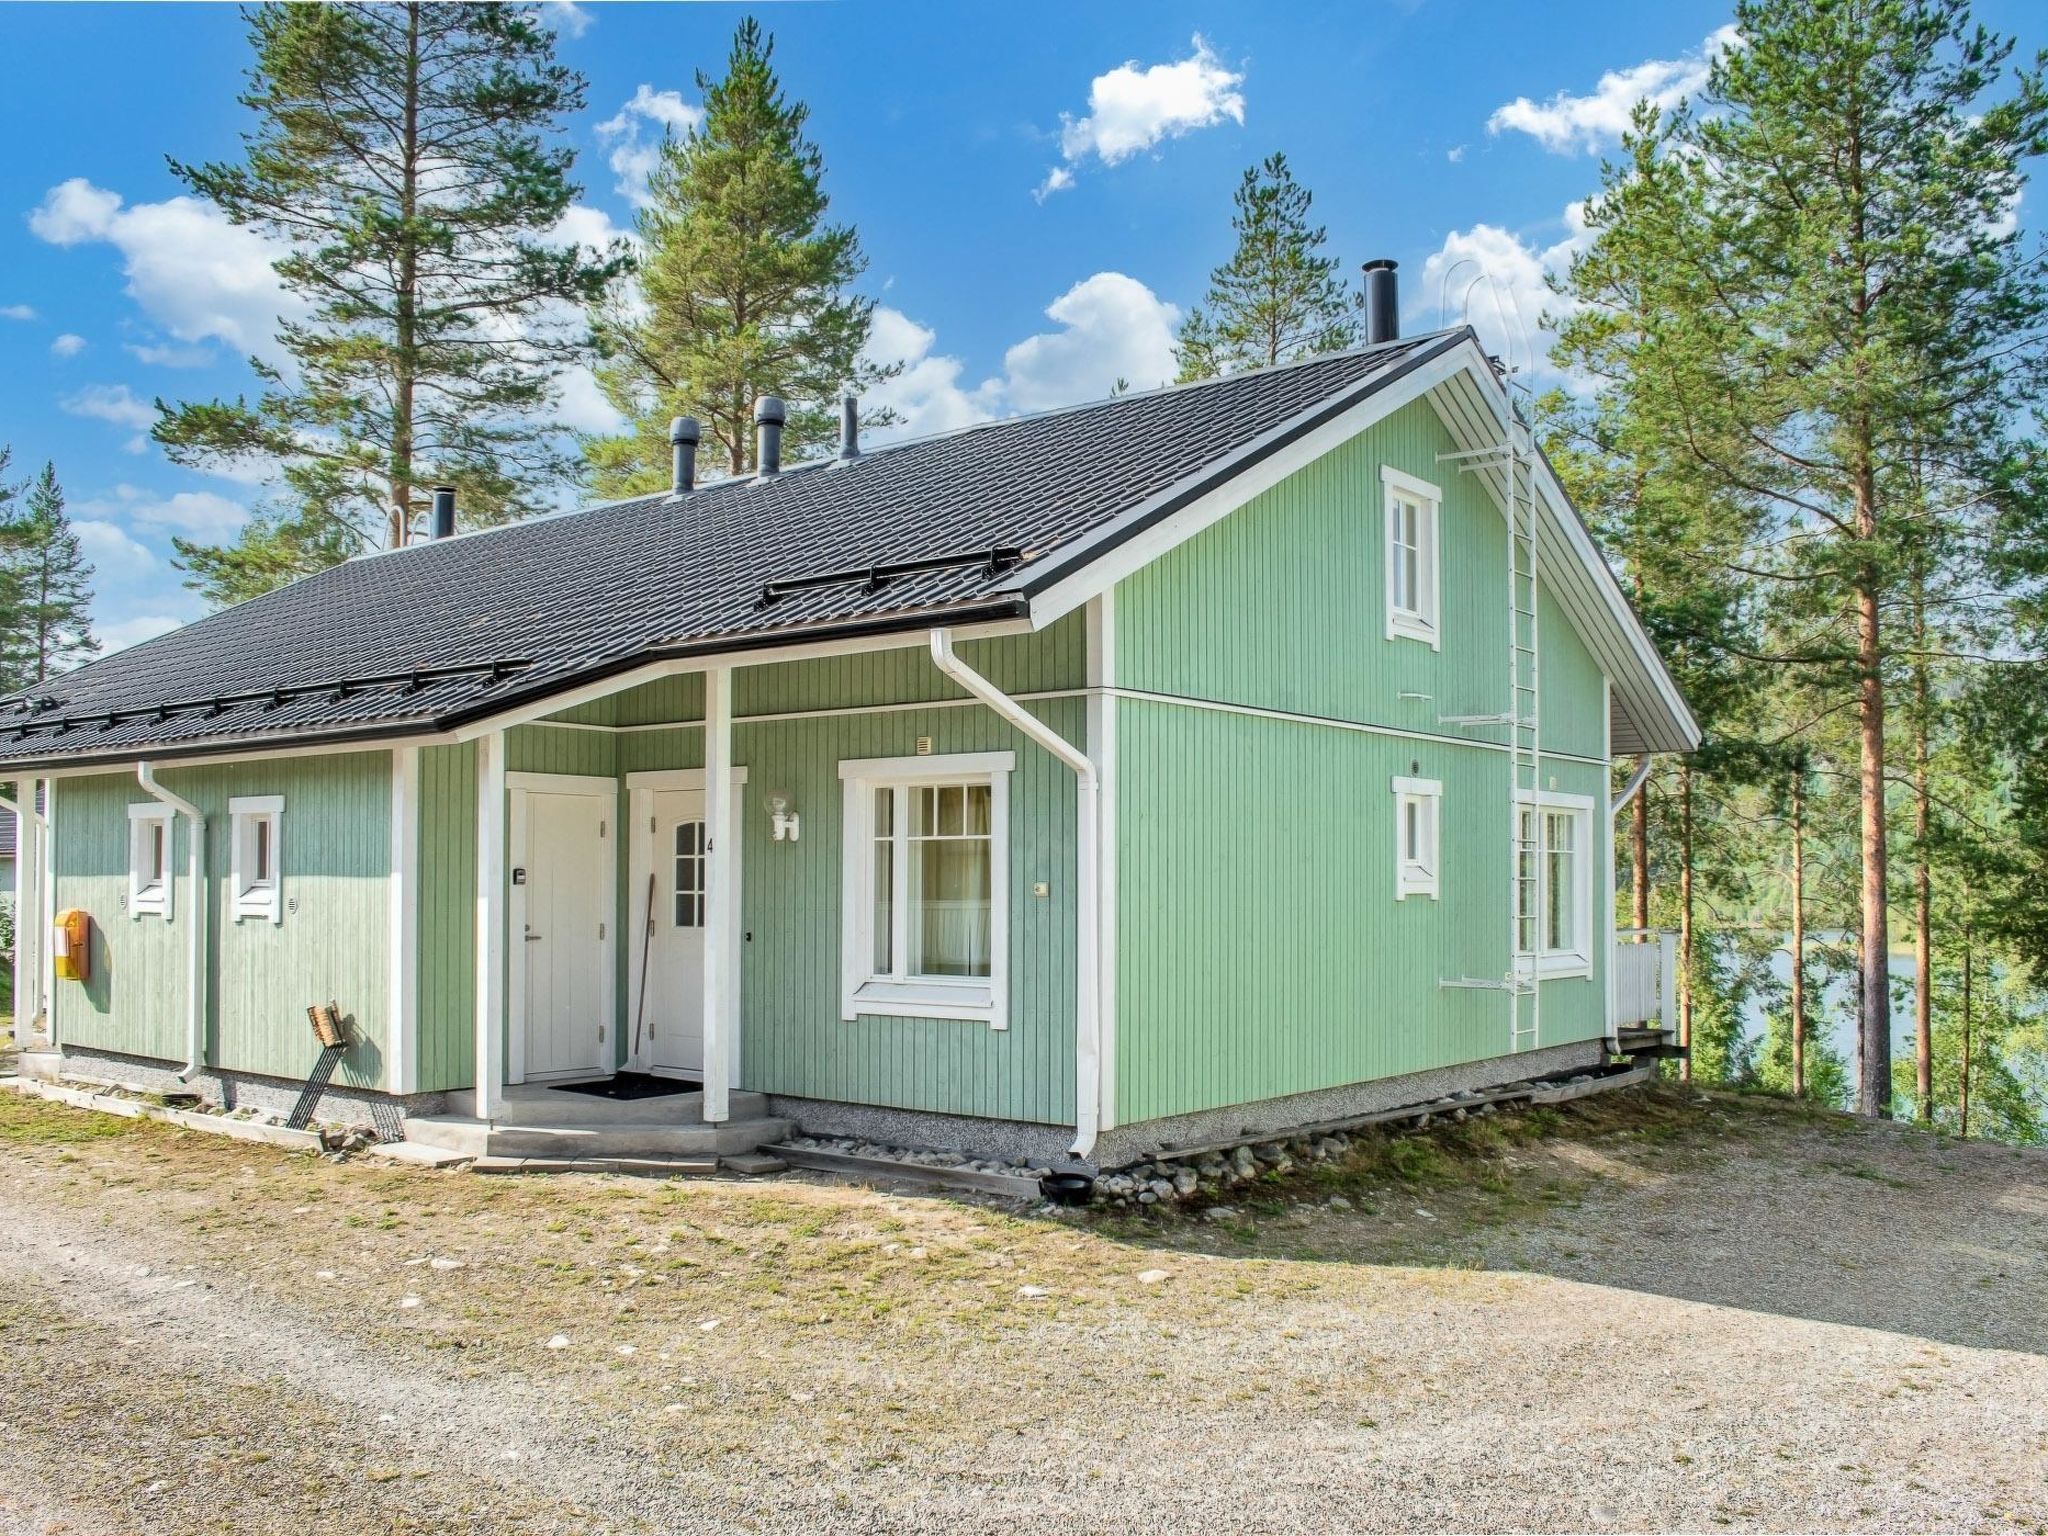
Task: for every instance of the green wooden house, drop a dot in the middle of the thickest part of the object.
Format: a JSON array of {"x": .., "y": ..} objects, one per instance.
[{"x": 1185, "y": 765}]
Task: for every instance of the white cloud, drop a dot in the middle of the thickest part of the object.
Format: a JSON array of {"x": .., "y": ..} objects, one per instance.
[
  {"x": 566, "y": 16},
  {"x": 580, "y": 406},
  {"x": 1568, "y": 124},
  {"x": 1513, "y": 327},
  {"x": 927, "y": 394},
  {"x": 120, "y": 635},
  {"x": 1112, "y": 327},
  {"x": 17, "y": 312},
  {"x": 635, "y": 135},
  {"x": 67, "y": 345},
  {"x": 112, "y": 550},
  {"x": 1132, "y": 109},
  {"x": 1455, "y": 154},
  {"x": 196, "y": 514},
  {"x": 115, "y": 403},
  {"x": 194, "y": 273},
  {"x": 171, "y": 355}
]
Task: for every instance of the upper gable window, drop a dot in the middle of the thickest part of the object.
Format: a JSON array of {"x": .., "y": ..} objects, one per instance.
[
  {"x": 1412, "y": 508},
  {"x": 253, "y": 852}
]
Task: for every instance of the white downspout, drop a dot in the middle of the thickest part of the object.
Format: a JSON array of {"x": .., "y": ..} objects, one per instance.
[
  {"x": 1087, "y": 837},
  {"x": 1628, "y": 790},
  {"x": 195, "y": 963}
]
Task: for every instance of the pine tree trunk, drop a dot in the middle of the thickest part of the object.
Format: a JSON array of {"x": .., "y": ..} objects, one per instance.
[
  {"x": 405, "y": 356},
  {"x": 1923, "y": 883},
  {"x": 1963, "y": 1089},
  {"x": 1873, "y": 1004},
  {"x": 1799, "y": 934},
  {"x": 1685, "y": 920}
]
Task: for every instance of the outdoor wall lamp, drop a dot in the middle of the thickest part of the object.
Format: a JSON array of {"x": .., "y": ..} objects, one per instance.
[{"x": 782, "y": 816}]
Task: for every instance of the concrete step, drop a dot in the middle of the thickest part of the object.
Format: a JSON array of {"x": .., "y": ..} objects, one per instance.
[
  {"x": 636, "y": 1167},
  {"x": 538, "y": 1105},
  {"x": 628, "y": 1139}
]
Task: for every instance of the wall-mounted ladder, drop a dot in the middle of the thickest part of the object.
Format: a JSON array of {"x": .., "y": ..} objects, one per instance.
[
  {"x": 1513, "y": 461},
  {"x": 1527, "y": 866}
]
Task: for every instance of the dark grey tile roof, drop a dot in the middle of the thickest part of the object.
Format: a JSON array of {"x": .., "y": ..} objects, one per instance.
[{"x": 431, "y": 636}]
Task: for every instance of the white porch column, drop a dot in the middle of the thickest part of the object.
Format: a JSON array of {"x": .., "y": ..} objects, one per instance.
[
  {"x": 721, "y": 916},
  {"x": 401, "y": 1070},
  {"x": 490, "y": 922},
  {"x": 28, "y": 915}
]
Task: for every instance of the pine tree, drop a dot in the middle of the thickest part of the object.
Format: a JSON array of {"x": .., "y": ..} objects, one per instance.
[
  {"x": 401, "y": 158},
  {"x": 743, "y": 287},
  {"x": 1279, "y": 296},
  {"x": 46, "y": 625},
  {"x": 1839, "y": 297}
]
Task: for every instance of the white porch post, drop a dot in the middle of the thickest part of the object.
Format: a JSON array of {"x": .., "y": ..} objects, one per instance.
[
  {"x": 28, "y": 914},
  {"x": 401, "y": 1071},
  {"x": 46, "y": 897},
  {"x": 721, "y": 916},
  {"x": 490, "y": 922}
]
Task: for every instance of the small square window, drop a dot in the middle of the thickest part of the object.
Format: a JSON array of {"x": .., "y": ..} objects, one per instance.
[
  {"x": 150, "y": 884},
  {"x": 1416, "y": 844},
  {"x": 1411, "y": 555},
  {"x": 255, "y": 871}
]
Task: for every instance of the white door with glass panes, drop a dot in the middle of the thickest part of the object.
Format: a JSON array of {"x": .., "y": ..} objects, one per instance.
[{"x": 670, "y": 1027}]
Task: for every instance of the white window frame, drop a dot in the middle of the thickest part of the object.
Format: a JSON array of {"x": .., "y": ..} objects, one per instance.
[
  {"x": 1421, "y": 876},
  {"x": 1423, "y": 620},
  {"x": 981, "y": 999},
  {"x": 260, "y": 897},
  {"x": 1575, "y": 958},
  {"x": 150, "y": 898}
]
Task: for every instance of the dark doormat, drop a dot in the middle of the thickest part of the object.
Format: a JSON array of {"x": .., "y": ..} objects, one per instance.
[{"x": 631, "y": 1085}]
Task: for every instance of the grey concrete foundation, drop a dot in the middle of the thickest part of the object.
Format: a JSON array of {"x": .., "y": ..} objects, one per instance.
[
  {"x": 1130, "y": 1143},
  {"x": 339, "y": 1105},
  {"x": 1273, "y": 1117}
]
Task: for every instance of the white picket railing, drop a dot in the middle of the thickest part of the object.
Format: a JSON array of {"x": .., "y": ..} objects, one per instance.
[{"x": 1644, "y": 989}]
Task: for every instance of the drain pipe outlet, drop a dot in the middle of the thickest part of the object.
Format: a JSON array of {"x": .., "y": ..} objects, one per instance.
[
  {"x": 195, "y": 938},
  {"x": 1632, "y": 787},
  {"x": 1087, "y": 883}
]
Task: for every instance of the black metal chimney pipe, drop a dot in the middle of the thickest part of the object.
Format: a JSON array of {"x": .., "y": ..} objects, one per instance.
[
  {"x": 1382, "y": 303},
  {"x": 769, "y": 415},
  {"x": 849, "y": 426},
  {"x": 683, "y": 436},
  {"x": 444, "y": 511}
]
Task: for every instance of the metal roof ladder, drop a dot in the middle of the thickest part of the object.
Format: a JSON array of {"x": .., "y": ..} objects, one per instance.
[{"x": 1526, "y": 863}]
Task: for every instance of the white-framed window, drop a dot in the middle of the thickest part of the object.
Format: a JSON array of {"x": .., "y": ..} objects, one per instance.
[
  {"x": 1554, "y": 914},
  {"x": 925, "y": 907},
  {"x": 149, "y": 860},
  {"x": 1413, "y": 587},
  {"x": 254, "y": 857},
  {"x": 1416, "y": 864}
]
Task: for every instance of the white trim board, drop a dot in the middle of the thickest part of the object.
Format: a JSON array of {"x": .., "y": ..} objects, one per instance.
[{"x": 401, "y": 1069}]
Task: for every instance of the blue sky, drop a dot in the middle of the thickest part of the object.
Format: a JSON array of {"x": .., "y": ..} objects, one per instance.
[{"x": 1041, "y": 191}]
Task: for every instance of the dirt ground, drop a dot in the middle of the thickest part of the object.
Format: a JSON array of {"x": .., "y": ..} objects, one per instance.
[{"x": 1656, "y": 1310}]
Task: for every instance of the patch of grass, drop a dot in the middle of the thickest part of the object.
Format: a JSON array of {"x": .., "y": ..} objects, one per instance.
[{"x": 31, "y": 1122}]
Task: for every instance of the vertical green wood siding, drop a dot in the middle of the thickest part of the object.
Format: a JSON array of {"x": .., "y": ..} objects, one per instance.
[
  {"x": 334, "y": 846},
  {"x": 1262, "y": 951},
  {"x": 447, "y": 918}
]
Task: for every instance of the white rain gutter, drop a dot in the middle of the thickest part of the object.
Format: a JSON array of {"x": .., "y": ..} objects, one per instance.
[
  {"x": 195, "y": 962},
  {"x": 1631, "y": 788},
  {"x": 1087, "y": 881}
]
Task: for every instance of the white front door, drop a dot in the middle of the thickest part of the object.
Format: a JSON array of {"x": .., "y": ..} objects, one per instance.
[
  {"x": 672, "y": 1008},
  {"x": 562, "y": 873}
]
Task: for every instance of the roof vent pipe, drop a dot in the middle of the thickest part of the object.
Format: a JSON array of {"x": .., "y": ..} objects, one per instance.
[
  {"x": 1382, "y": 303},
  {"x": 849, "y": 426},
  {"x": 769, "y": 415},
  {"x": 444, "y": 511},
  {"x": 683, "y": 436}
]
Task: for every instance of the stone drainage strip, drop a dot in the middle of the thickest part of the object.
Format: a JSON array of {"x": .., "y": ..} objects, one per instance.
[{"x": 1180, "y": 1172}]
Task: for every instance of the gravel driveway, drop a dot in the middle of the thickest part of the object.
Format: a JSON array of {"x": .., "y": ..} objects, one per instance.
[{"x": 1661, "y": 1310}]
